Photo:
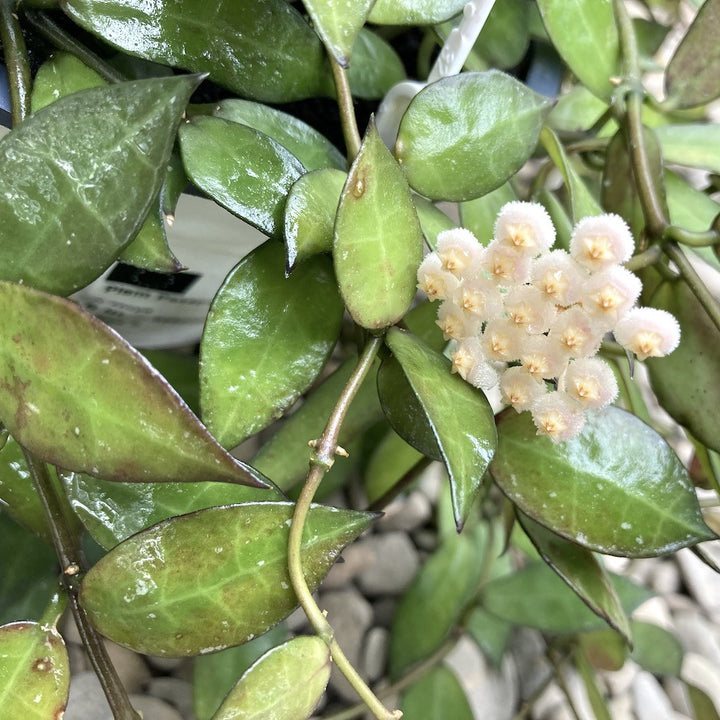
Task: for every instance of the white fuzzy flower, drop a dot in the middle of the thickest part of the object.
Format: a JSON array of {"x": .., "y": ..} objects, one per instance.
[
  {"x": 455, "y": 323},
  {"x": 591, "y": 382},
  {"x": 559, "y": 277},
  {"x": 525, "y": 227},
  {"x": 601, "y": 241},
  {"x": 458, "y": 249},
  {"x": 609, "y": 294},
  {"x": 576, "y": 334},
  {"x": 527, "y": 306},
  {"x": 505, "y": 266},
  {"x": 520, "y": 389},
  {"x": 648, "y": 332},
  {"x": 479, "y": 296},
  {"x": 502, "y": 340},
  {"x": 558, "y": 416},
  {"x": 436, "y": 283},
  {"x": 542, "y": 358}
]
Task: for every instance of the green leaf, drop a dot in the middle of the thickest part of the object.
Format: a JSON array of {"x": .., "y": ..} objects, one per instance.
[
  {"x": 34, "y": 671},
  {"x": 596, "y": 699},
  {"x": 618, "y": 191},
  {"x": 244, "y": 170},
  {"x": 693, "y": 145},
  {"x": 215, "y": 675},
  {"x": 692, "y": 75},
  {"x": 459, "y": 414},
  {"x": 414, "y": 12},
  {"x": 211, "y": 579},
  {"x": 438, "y": 695},
  {"x": 309, "y": 146},
  {"x": 689, "y": 208},
  {"x": 465, "y": 135},
  {"x": 286, "y": 683},
  {"x": 78, "y": 178},
  {"x": 536, "y": 597},
  {"x": 310, "y": 214},
  {"x": 111, "y": 512},
  {"x": 617, "y": 488},
  {"x": 604, "y": 649},
  {"x": 390, "y": 462},
  {"x": 655, "y": 649},
  {"x": 95, "y": 405},
  {"x": 576, "y": 111},
  {"x": 432, "y": 220},
  {"x": 266, "y": 339},
  {"x": 479, "y": 215},
  {"x": 505, "y": 37},
  {"x": 378, "y": 242},
  {"x": 181, "y": 371},
  {"x": 687, "y": 382},
  {"x": 702, "y": 705},
  {"x": 29, "y": 571},
  {"x": 237, "y": 43},
  {"x": 585, "y": 34},
  {"x": 338, "y": 24},
  {"x": 421, "y": 321},
  {"x": 375, "y": 67},
  {"x": 490, "y": 633},
  {"x": 285, "y": 456},
  {"x": 558, "y": 215},
  {"x": 581, "y": 570},
  {"x": 432, "y": 605}
]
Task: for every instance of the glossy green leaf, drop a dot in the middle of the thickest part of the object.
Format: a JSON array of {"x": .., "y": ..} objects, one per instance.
[
  {"x": 505, "y": 37},
  {"x": 432, "y": 220},
  {"x": 215, "y": 675},
  {"x": 693, "y": 145},
  {"x": 576, "y": 111},
  {"x": 536, "y": 597},
  {"x": 95, "y": 405},
  {"x": 338, "y": 24},
  {"x": 581, "y": 570},
  {"x": 589, "y": 678},
  {"x": 309, "y": 146},
  {"x": 391, "y": 461},
  {"x": 459, "y": 414},
  {"x": 181, "y": 370},
  {"x": 692, "y": 76},
  {"x": 618, "y": 191},
  {"x": 310, "y": 214},
  {"x": 617, "y": 488},
  {"x": 29, "y": 571},
  {"x": 244, "y": 170},
  {"x": 491, "y": 633},
  {"x": 465, "y": 135},
  {"x": 479, "y": 215},
  {"x": 286, "y": 683},
  {"x": 655, "y": 649},
  {"x": 404, "y": 410},
  {"x": 237, "y": 43},
  {"x": 111, "y": 512},
  {"x": 687, "y": 382},
  {"x": 79, "y": 176},
  {"x": 582, "y": 202},
  {"x": 689, "y": 208},
  {"x": 285, "y": 456},
  {"x": 375, "y": 67},
  {"x": 585, "y": 34},
  {"x": 211, "y": 579},
  {"x": 414, "y": 12},
  {"x": 34, "y": 672},
  {"x": 438, "y": 695},
  {"x": 434, "y": 602},
  {"x": 378, "y": 241},
  {"x": 604, "y": 649},
  {"x": 421, "y": 321},
  {"x": 702, "y": 705},
  {"x": 562, "y": 222},
  {"x": 266, "y": 339}
]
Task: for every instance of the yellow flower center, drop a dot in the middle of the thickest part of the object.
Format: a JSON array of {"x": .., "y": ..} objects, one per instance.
[
  {"x": 521, "y": 235},
  {"x": 599, "y": 247}
]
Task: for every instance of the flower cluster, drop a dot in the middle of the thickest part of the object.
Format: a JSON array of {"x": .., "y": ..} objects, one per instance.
[{"x": 533, "y": 319}]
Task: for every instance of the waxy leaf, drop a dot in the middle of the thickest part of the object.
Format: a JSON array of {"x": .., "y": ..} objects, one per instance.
[
  {"x": 378, "y": 241},
  {"x": 438, "y": 695},
  {"x": 581, "y": 570},
  {"x": 689, "y": 208},
  {"x": 655, "y": 649},
  {"x": 585, "y": 34},
  {"x": 75, "y": 394},
  {"x": 687, "y": 382},
  {"x": 459, "y": 414},
  {"x": 78, "y": 178},
  {"x": 536, "y": 597},
  {"x": 391, "y": 461},
  {"x": 237, "y": 43},
  {"x": 244, "y": 170},
  {"x": 266, "y": 339},
  {"x": 617, "y": 488},
  {"x": 491, "y": 633},
  {"x": 505, "y": 37},
  {"x": 34, "y": 672},
  {"x": 576, "y": 111},
  {"x": 310, "y": 214},
  {"x": 111, "y": 512},
  {"x": 338, "y": 24},
  {"x": 286, "y": 683},
  {"x": 211, "y": 579},
  {"x": 692, "y": 145},
  {"x": 479, "y": 215},
  {"x": 618, "y": 192},
  {"x": 309, "y": 146},
  {"x": 414, "y": 12},
  {"x": 692, "y": 76},
  {"x": 432, "y": 220},
  {"x": 375, "y": 67},
  {"x": 465, "y": 135}
]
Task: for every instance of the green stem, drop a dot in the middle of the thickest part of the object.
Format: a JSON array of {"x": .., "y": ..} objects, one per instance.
[
  {"x": 347, "y": 111},
  {"x": 16, "y": 61},
  {"x": 321, "y": 461},
  {"x": 695, "y": 283},
  {"x": 649, "y": 257},
  {"x": 690, "y": 238},
  {"x": 69, "y": 554},
  {"x": 62, "y": 40},
  {"x": 54, "y": 610}
]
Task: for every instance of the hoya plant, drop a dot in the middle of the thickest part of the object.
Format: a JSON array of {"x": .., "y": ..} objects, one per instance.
[{"x": 485, "y": 237}]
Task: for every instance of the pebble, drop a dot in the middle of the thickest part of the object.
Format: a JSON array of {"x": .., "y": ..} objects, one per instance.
[
  {"x": 375, "y": 653},
  {"x": 394, "y": 566},
  {"x": 153, "y": 709},
  {"x": 701, "y": 672},
  {"x": 655, "y": 611},
  {"x": 620, "y": 681},
  {"x": 131, "y": 668},
  {"x": 175, "y": 692},
  {"x": 406, "y": 514},
  {"x": 528, "y": 651},
  {"x": 385, "y": 611},
  {"x": 665, "y": 578},
  {"x": 358, "y": 557},
  {"x": 677, "y": 694},
  {"x": 164, "y": 664},
  {"x": 698, "y": 635},
  {"x": 649, "y": 699},
  {"x": 702, "y": 582},
  {"x": 87, "y": 700}
]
